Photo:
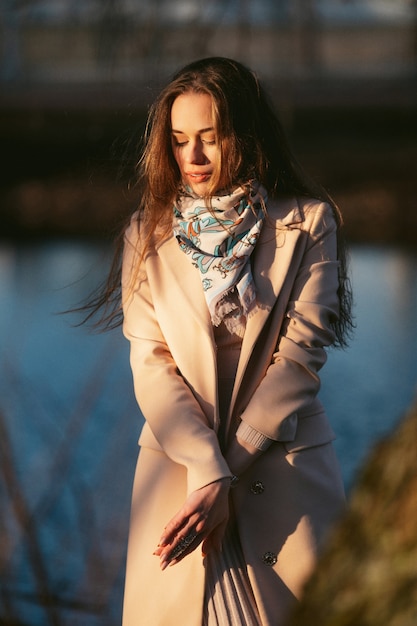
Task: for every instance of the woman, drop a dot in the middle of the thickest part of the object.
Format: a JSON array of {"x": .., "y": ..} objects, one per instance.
[{"x": 234, "y": 283}]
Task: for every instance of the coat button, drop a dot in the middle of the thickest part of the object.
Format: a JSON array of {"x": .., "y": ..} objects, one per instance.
[
  {"x": 257, "y": 488},
  {"x": 269, "y": 558}
]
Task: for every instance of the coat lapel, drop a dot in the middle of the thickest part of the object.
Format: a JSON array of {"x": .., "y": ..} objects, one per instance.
[
  {"x": 187, "y": 279},
  {"x": 271, "y": 265},
  {"x": 183, "y": 290}
]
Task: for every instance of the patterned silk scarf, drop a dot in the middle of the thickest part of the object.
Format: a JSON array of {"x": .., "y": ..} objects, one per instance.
[{"x": 219, "y": 241}]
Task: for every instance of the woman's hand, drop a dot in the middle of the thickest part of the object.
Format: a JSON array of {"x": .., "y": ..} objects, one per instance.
[{"x": 202, "y": 520}]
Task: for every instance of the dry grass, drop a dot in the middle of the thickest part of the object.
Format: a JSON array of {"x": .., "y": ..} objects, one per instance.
[{"x": 368, "y": 575}]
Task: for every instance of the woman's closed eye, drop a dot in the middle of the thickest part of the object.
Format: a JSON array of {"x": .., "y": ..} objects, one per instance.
[{"x": 179, "y": 143}]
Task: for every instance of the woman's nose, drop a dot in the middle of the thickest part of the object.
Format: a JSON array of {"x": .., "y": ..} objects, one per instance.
[{"x": 195, "y": 153}]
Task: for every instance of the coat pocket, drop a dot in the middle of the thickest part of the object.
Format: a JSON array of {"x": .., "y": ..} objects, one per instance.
[{"x": 313, "y": 430}]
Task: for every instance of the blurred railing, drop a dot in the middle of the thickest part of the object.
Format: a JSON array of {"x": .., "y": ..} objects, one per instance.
[
  {"x": 141, "y": 43},
  {"x": 76, "y": 78}
]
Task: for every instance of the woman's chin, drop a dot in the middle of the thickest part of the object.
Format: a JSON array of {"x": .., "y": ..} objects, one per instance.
[{"x": 199, "y": 188}]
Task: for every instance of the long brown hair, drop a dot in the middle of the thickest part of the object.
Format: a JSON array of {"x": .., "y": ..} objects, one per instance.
[{"x": 252, "y": 145}]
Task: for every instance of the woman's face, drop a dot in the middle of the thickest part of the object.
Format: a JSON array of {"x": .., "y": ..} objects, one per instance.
[{"x": 194, "y": 141}]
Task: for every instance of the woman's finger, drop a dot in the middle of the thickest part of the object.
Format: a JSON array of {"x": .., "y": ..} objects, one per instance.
[
  {"x": 214, "y": 540},
  {"x": 183, "y": 546},
  {"x": 174, "y": 526}
]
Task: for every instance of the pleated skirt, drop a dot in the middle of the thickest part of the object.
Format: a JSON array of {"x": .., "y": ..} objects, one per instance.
[{"x": 229, "y": 599}]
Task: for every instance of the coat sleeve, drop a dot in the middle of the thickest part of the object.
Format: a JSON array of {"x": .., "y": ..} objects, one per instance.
[
  {"x": 292, "y": 381},
  {"x": 171, "y": 411}
]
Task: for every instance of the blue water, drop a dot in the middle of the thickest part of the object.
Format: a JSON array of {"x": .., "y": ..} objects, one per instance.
[
  {"x": 367, "y": 388},
  {"x": 70, "y": 422}
]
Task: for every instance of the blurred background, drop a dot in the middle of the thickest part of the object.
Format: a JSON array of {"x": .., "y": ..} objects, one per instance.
[{"x": 76, "y": 80}]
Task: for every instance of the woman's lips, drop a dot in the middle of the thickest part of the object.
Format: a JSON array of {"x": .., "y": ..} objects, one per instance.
[{"x": 198, "y": 177}]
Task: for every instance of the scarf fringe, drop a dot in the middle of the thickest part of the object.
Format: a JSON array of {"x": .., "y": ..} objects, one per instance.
[{"x": 235, "y": 312}]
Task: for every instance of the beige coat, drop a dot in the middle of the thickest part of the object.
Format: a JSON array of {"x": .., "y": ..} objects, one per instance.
[{"x": 291, "y": 494}]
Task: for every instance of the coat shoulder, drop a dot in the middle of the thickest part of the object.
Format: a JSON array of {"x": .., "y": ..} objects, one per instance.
[
  {"x": 139, "y": 236},
  {"x": 298, "y": 212}
]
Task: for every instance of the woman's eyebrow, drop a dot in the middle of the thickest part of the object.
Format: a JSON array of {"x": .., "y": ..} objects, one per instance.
[{"x": 200, "y": 132}]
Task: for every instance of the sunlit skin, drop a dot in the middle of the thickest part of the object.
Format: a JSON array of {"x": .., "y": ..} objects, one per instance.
[{"x": 194, "y": 141}]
